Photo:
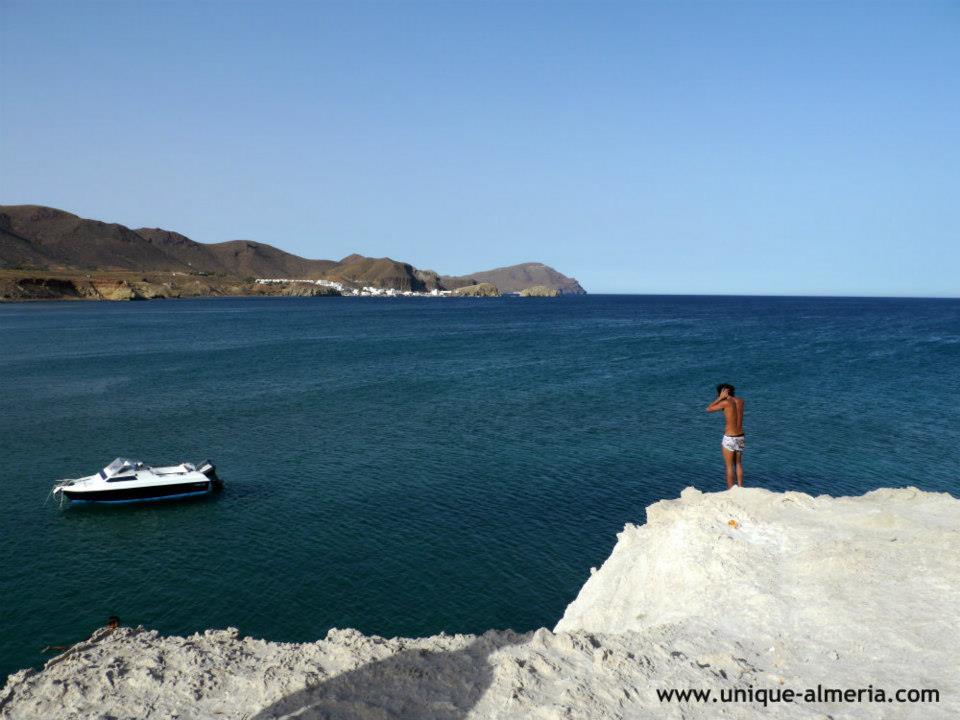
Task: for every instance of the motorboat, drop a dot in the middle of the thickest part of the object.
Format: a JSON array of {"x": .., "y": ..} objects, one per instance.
[{"x": 126, "y": 480}]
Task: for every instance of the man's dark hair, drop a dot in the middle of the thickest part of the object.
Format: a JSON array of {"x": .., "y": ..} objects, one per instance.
[
  {"x": 113, "y": 620},
  {"x": 726, "y": 386}
]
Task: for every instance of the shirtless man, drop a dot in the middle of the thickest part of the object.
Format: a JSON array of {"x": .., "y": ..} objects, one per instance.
[{"x": 733, "y": 442}]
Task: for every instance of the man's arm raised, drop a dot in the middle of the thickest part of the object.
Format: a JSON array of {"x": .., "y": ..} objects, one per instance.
[
  {"x": 717, "y": 405},
  {"x": 720, "y": 403}
]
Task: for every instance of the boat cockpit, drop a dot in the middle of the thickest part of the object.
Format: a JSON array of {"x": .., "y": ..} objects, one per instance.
[{"x": 120, "y": 466}]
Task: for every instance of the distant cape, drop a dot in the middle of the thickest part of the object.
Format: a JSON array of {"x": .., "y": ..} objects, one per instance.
[
  {"x": 36, "y": 239},
  {"x": 517, "y": 278}
]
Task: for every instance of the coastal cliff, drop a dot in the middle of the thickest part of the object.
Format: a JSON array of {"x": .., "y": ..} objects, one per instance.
[{"x": 746, "y": 589}]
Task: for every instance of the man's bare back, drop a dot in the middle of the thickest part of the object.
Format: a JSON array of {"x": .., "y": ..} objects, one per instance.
[
  {"x": 733, "y": 412},
  {"x": 733, "y": 441}
]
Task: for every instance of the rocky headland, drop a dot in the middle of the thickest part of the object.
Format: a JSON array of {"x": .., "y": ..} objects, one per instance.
[
  {"x": 517, "y": 278},
  {"x": 746, "y": 590}
]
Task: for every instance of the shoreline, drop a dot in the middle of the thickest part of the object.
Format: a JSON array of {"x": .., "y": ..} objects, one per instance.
[
  {"x": 126, "y": 286},
  {"x": 736, "y": 589}
]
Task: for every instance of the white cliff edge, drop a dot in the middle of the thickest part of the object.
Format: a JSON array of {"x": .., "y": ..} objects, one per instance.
[{"x": 735, "y": 590}]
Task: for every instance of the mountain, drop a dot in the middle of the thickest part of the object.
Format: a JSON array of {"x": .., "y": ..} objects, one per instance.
[
  {"x": 515, "y": 278},
  {"x": 36, "y": 239},
  {"x": 197, "y": 256},
  {"x": 254, "y": 259},
  {"x": 58, "y": 240},
  {"x": 16, "y": 250}
]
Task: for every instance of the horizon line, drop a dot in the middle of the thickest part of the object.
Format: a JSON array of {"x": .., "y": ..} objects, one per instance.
[{"x": 775, "y": 295}]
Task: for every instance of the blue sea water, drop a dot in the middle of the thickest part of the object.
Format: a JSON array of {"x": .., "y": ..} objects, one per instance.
[{"x": 409, "y": 466}]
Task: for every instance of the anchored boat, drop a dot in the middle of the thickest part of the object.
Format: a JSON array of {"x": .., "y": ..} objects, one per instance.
[{"x": 126, "y": 480}]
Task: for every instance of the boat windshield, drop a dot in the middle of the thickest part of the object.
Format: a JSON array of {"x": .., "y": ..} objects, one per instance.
[{"x": 117, "y": 466}]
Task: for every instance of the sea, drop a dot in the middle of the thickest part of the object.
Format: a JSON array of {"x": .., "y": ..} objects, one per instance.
[{"x": 415, "y": 465}]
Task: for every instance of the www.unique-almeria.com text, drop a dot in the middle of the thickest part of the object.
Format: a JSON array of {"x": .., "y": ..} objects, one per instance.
[{"x": 819, "y": 694}]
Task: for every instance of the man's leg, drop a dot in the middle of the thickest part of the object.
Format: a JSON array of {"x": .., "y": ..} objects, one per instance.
[
  {"x": 728, "y": 459},
  {"x": 739, "y": 461}
]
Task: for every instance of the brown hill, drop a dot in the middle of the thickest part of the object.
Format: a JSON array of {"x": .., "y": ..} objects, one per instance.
[
  {"x": 516, "y": 278},
  {"x": 247, "y": 258},
  {"x": 197, "y": 256},
  {"x": 16, "y": 250},
  {"x": 61, "y": 240},
  {"x": 33, "y": 237},
  {"x": 244, "y": 258}
]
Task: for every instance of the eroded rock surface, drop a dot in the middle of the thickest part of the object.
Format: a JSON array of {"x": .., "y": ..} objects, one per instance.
[
  {"x": 478, "y": 290},
  {"x": 540, "y": 291}
]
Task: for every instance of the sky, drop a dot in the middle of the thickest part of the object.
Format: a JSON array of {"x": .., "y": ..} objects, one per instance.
[{"x": 694, "y": 148}]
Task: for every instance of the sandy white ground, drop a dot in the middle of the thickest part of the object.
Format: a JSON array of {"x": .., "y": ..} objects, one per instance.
[{"x": 719, "y": 591}]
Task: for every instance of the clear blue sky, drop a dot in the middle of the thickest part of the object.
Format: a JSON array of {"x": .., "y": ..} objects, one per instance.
[{"x": 801, "y": 148}]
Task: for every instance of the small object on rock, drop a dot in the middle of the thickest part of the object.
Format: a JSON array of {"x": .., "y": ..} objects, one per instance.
[{"x": 733, "y": 523}]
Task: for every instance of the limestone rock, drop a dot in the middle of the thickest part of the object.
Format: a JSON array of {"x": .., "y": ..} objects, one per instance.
[
  {"x": 540, "y": 291},
  {"x": 119, "y": 290},
  {"x": 478, "y": 290},
  {"x": 798, "y": 591}
]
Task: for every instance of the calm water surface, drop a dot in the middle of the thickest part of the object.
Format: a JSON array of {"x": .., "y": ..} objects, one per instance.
[{"x": 415, "y": 465}]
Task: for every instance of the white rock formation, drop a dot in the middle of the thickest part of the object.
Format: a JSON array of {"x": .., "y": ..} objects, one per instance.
[{"x": 735, "y": 590}]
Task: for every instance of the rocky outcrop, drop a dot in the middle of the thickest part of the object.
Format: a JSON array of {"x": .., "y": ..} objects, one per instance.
[
  {"x": 478, "y": 290},
  {"x": 429, "y": 279},
  {"x": 359, "y": 271},
  {"x": 42, "y": 288},
  {"x": 52, "y": 288},
  {"x": 122, "y": 290},
  {"x": 296, "y": 290},
  {"x": 540, "y": 291},
  {"x": 745, "y": 590}
]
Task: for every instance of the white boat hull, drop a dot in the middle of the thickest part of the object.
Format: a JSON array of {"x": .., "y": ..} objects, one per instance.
[{"x": 144, "y": 483}]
